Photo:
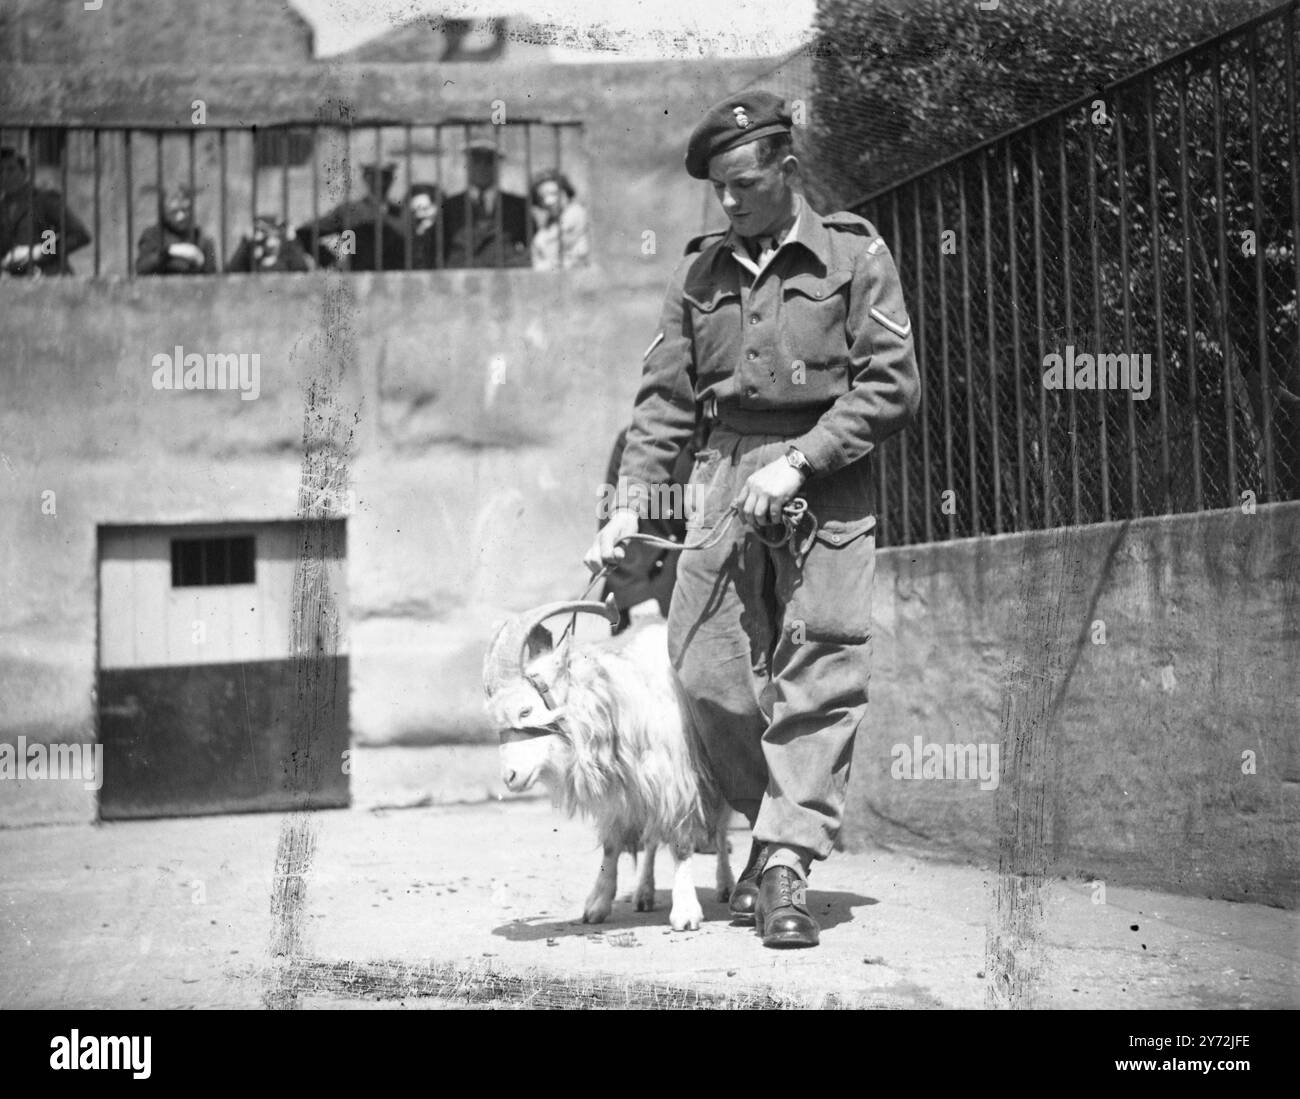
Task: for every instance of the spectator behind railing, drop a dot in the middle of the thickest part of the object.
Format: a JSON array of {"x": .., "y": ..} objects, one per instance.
[
  {"x": 422, "y": 200},
  {"x": 175, "y": 246},
  {"x": 470, "y": 218},
  {"x": 27, "y": 214},
  {"x": 270, "y": 248},
  {"x": 562, "y": 238},
  {"x": 361, "y": 216}
]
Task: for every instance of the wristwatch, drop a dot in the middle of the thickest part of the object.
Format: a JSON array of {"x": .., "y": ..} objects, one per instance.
[{"x": 797, "y": 461}]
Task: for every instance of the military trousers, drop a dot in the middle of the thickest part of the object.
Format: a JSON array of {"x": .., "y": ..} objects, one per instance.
[{"x": 771, "y": 645}]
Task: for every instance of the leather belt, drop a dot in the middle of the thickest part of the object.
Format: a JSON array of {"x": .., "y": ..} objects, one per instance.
[{"x": 787, "y": 422}]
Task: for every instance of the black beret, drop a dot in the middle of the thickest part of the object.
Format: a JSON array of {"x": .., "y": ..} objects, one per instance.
[{"x": 737, "y": 120}]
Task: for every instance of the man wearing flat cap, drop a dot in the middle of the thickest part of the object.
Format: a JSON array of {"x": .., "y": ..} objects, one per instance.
[
  {"x": 485, "y": 226},
  {"x": 789, "y": 336}
]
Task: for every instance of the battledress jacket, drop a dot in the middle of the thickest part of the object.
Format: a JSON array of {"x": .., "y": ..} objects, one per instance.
[{"x": 821, "y": 332}]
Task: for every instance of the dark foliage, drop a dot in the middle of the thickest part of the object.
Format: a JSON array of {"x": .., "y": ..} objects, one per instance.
[
  {"x": 1154, "y": 220},
  {"x": 901, "y": 83}
]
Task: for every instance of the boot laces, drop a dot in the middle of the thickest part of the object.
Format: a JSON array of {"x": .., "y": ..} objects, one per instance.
[{"x": 788, "y": 885}]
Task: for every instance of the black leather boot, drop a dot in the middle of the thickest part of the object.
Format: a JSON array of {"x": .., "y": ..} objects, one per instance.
[
  {"x": 744, "y": 895},
  {"x": 782, "y": 915}
]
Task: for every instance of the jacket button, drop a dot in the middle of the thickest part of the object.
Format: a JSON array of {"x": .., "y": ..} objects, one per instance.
[
  {"x": 835, "y": 538},
  {"x": 751, "y": 355},
  {"x": 754, "y": 318}
]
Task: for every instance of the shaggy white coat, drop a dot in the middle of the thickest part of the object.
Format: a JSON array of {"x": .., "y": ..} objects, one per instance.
[{"x": 620, "y": 753}]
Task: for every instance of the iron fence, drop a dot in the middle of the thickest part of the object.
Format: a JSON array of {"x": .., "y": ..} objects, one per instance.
[
  {"x": 110, "y": 180},
  {"x": 1156, "y": 219}
]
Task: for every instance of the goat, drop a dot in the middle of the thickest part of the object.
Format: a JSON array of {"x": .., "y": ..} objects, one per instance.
[{"x": 601, "y": 727}]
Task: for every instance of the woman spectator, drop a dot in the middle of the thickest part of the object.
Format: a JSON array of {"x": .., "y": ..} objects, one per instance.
[
  {"x": 562, "y": 238},
  {"x": 175, "y": 246},
  {"x": 270, "y": 248},
  {"x": 422, "y": 202}
]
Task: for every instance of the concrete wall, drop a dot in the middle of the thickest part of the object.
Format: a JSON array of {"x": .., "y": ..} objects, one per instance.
[
  {"x": 479, "y": 407},
  {"x": 637, "y": 119},
  {"x": 1125, "y": 759},
  {"x": 153, "y": 32}
]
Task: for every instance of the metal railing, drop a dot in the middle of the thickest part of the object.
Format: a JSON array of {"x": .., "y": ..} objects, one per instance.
[
  {"x": 1157, "y": 218},
  {"x": 111, "y": 179}
]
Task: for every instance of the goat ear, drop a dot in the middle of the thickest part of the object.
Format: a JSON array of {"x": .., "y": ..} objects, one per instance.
[{"x": 539, "y": 641}]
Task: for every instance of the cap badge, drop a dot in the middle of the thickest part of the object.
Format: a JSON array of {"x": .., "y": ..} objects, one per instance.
[{"x": 742, "y": 119}]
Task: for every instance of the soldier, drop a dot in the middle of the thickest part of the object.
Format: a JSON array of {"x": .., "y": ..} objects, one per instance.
[{"x": 790, "y": 332}]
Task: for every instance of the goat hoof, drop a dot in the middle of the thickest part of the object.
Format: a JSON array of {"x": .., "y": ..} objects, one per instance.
[
  {"x": 645, "y": 901},
  {"x": 686, "y": 919},
  {"x": 596, "y": 910}
]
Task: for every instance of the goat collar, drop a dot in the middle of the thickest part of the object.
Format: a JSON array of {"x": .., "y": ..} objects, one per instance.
[
  {"x": 544, "y": 689},
  {"x": 549, "y": 728},
  {"x": 508, "y": 735}
]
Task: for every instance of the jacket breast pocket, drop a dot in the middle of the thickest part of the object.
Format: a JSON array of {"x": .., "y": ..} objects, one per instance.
[
  {"x": 814, "y": 319},
  {"x": 714, "y": 315},
  {"x": 827, "y": 595}
]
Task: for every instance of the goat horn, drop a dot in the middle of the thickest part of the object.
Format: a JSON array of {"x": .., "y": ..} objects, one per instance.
[{"x": 505, "y": 656}]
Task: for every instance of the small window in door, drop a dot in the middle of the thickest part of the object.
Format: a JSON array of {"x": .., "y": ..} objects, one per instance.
[{"x": 198, "y": 562}]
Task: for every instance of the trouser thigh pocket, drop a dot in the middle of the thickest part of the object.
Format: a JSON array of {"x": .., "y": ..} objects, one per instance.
[
  {"x": 827, "y": 595},
  {"x": 706, "y": 491}
]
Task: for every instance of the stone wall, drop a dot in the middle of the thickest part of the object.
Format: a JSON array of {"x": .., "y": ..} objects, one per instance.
[{"x": 1138, "y": 680}]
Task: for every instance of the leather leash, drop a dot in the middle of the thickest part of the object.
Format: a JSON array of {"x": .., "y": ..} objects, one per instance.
[{"x": 792, "y": 515}]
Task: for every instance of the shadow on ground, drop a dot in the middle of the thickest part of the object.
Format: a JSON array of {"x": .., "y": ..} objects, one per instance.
[{"x": 829, "y": 908}]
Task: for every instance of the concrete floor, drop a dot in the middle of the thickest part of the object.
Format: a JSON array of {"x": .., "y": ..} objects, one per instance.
[{"x": 472, "y": 904}]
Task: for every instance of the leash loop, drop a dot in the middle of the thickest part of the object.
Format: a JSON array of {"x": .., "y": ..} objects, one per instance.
[
  {"x": 792, "y": 516},
  {"x": 795, "y": 514}
]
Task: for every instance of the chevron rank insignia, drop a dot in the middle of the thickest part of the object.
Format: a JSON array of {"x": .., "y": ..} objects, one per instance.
[
  {"x": 902, "y": 331},
  {"x": 876, "y": 246},
  {"x": 653, "y": 344}
]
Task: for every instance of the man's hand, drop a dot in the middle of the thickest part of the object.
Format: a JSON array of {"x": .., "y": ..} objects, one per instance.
[
  {"x": 190, "y": 253},
  {"x": 605, "y": 549},
  {"x": 17, "y": 257},
  {"x": 767, "y": 492}
]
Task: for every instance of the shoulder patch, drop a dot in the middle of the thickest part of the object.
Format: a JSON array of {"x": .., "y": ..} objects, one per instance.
[
  {"x": 877, "y": 245},
  {"x": 696, "y": 244}
]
